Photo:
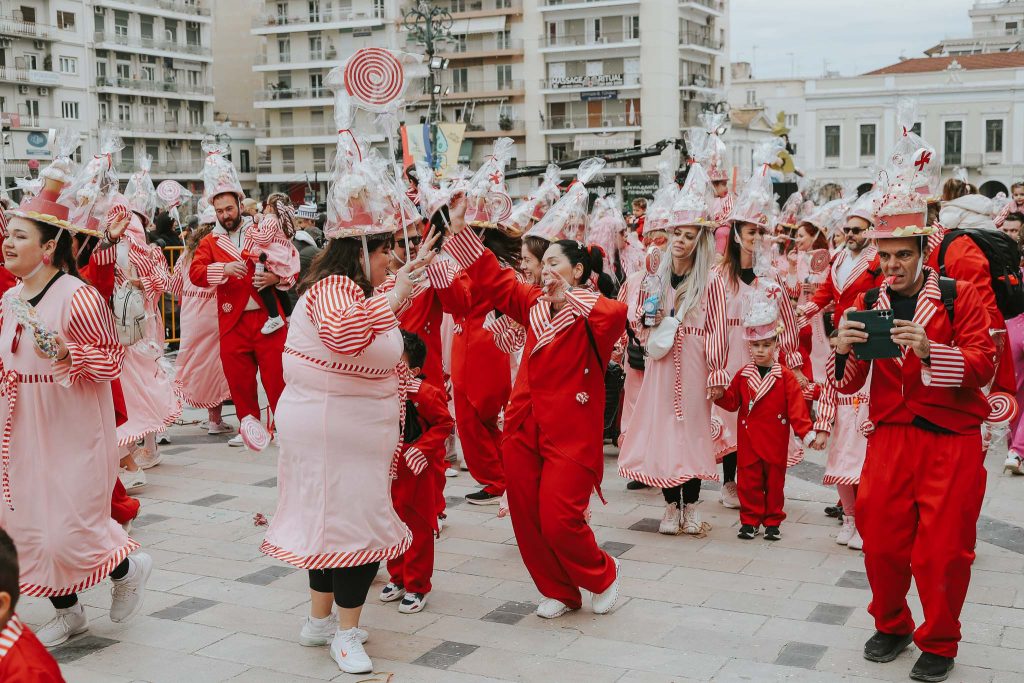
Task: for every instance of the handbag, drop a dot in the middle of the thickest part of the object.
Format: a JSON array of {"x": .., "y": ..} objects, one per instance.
[
  {"x": 129, "y": 314},
  {"x": 662, "y": 338}
]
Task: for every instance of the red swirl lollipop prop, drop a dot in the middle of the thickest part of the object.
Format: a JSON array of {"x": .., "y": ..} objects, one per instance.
[
  {"x": 169, "y": 192},
  {"x": 652, "y": 262},
  {"x": 501, "y": 206},
  {"x": 1002, "y": 406},
  {"x": 374, "y": 77},
  {"x": 819, "y": 261}
]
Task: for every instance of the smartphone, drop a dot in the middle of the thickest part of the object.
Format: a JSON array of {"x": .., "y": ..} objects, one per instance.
[
  {"x": 439, "y": 223},
  {"x": 878, "y": 324}
]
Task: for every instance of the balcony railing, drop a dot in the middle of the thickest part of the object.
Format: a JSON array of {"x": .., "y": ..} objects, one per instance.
[
  {"x": 10, "y": 74},
  {"x": 180, "y": 127},
  {"x": 163, "y": 167},
  {"x": 715, "y": 5},
  {"x": 288, "y": 58},
  {"x": 154, "y": 86},
  {"x": 292, "y": 93},
  {"x": 700, "y": 40},
  {"x": 583, "y": 40},
  {"x": 324, "y": 16},
  {"x": 586, "y": 120},
  {"x": 187, "y": 6},
  {"x": 298, "y": 131},
  {"x": 25, "y": 29},
  {"x": 495, "y": 127},
  {"x": 698, "y": 81},
  {"x": 598, "y": 81},
  {"x": 485, "y": 6},
  {"x": 151, "y": 43},
  {"x": 459, "y": 48}
]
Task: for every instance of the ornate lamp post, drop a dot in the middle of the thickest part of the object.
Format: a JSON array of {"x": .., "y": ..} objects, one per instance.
[{"x": 427, "y": 25}]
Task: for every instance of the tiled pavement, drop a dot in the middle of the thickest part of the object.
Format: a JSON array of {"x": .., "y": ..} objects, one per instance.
[{"x": 716, "y": 608}]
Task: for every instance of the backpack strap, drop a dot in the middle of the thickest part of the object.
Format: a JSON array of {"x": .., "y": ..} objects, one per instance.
[
  {"x": 947, "y": 287},
  {"x": 593, "y": 345},
  {"x": 947, "y": 239}
]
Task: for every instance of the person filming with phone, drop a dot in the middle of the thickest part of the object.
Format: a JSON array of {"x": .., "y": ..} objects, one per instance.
[{"x": 924, "y": 342}]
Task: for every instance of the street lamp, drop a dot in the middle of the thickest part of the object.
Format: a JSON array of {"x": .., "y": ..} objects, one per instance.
[{"x": 426, "y": 25}]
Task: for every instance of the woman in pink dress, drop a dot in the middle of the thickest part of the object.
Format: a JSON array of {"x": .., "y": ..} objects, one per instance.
[
  {"x": 199, "y": 370},
  {"x": 58, "y": 355},
  {"x": 669, "y": 441},
  {"x": 845, "y": 417},
  {"x": 338, "y": 423}
]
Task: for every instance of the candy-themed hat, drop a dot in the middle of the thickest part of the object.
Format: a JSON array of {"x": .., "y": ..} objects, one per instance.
[
  {"x": 864, "y": 206},
  {"x": 913, "y": 159},
  {"x": 45, "y": 208},
  {"x": 659, "y": 209},
  {"x": 487, "y": 200},
  {"x": 713, "y": 152},
  {"x": 756, "y": 201},
  {"x": 567, "y": 218},
  {"x": 691, "y": 205},
  {"x": 761, "y": 320},
  {"x": 358, "y": 201},
  {"x": 606, "y": 222},
  {"x": 792, "y": 210},
  {"x": 140, "y": 192},
  {"x": 526, "y": 211},
  {"x": 219, "y": 174},
  {"x": 901, "y": 212}
]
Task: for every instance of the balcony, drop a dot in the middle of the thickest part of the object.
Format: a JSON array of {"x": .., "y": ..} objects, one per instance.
[
  {"x": 477, "y": 91},
  {"x": 12, "y": 26},
  {"x": 579, "y": 41},
  {"x": 193, "y": 8},
  {"x": 490, "y": 129},
  {"x": 715, "y": 7},
  {"x": 700, "y": 42},
  {"x": 591, "y": 122},
  {"x": 325, "y": 19},
  {"x": 699, "y": 82},
  {"x": 483, "y": 49},
  {"x": 288, "y": 61},
  {"x": 488, "y": 8},
  {"x": 151, "y": 44},
  {"x": 166, "y": 88},
  {"x": 559, "y": 6},
  {"x": 41, "y": 77},
  {"x": 283, "y": 97},
  {"x": 128, "y": 129},
  {"x": 166, "y": 167},
  {"x": 598, "y": 82}
]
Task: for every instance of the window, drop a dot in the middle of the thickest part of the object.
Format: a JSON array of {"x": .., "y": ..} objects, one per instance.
[
  {"x": 458, "y": 5},
  {"x": 192, "y": 33},
  {"x": 99, "y": 22},
  {"x": 243, "y": 161},
  {"x": 147, "y": 72},
  {"x": 288, "y": 159},
  {"x": 831, "y": 141},
  {"x": 316, "y": 85},
  {"x": 124, "y": 70},
  {"x": 314, "y": 11},
  {"x": 128, "y": 157},
  {"x": 559, "y": 152},
  {"x": 460, "y": 80},
  {"x": 316, "y": 120},
  {"x": 282, "y": 12},
  {"x": 149, "y": 114},
  {"x": 195, "y": 115},
  {"x": 378, "y": 9},
  {"x": 146, "y": 26},
  {"x": 319, "y": 159},
  {"x": 284, "y": 49},
  {"x": 66, "y": 20},
  {"x": 633, "y": 28},
  {"x": 316, "y": 46},
  {"x": 193, "y": 78},
  {"x": 124, "y": 112},
  {"x": 504, "y": 39},
  {"x": 170, "y": 31},
  {"x": 1011, "y": 28},
  {"x": 69, "y": 110},
  {"x": 791, "y": 120},
  {"x": 287, "y": 123},
  {"x": 504, "y": 77},
  {"x": 67, "y": 65},
  {"x": 32, "y": 109},
  {"x": 867, "y": 140},
  {"x": 994, "y": 136},
  {"x": 104, "y": 111},
  {"x": 153, "y": 150},
  {"x": 120, "y": 24},
  {"x": 954, "y": 142},
  {"x": 751, "y": 97},
  {"x": 101, "y": 70},
  {"x": 28, "y": 14},
  {"x": 502, "y": 4}
]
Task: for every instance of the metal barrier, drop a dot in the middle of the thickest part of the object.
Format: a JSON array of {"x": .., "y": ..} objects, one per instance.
[{"x": 170, "y": 310}]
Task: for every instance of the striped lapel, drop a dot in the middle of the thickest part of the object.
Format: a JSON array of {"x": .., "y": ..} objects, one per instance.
[
  {"x": 545, "y": 328},
  {"x": 863, "y": 262},
  {"x": 760, "y": 386},
  {"x": 925, "y": 309}
]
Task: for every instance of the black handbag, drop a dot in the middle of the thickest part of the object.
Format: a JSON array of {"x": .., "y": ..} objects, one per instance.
[{"x": 412, "y": 431}]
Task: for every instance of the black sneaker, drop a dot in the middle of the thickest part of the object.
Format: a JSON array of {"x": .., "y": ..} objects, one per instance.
[
  {"x": 931, "y": 667},
  {"x": 771, "y": 533},
  {"x": 636, "y": 486},
  {"x": 835, "y": 511},
  {"x": 885, "y": 647},
  {"x": 481, "y": 497},
  {"x": 747, "y": 532}
]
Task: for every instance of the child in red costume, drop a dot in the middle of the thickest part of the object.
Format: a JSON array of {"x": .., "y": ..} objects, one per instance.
[
  {"x": 770, "y": 404},
  {"x": 23, "y": 659},
  {"x": 413, "y": 491}
]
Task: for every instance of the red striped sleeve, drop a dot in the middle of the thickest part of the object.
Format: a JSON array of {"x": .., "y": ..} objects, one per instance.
[
  {"x": 346, "y": 321},
  {"x": 177, "y": 284},
  {"x": 96, "y": 352},
  {"x": 415, "y": 459},
  {"x": 790, "y": 338},
  {"x": 465, "y": 248},
  {"x": 509, "y": 336},
  {"x": 826, "y": 414},
  {"x": 946, "y": 369},
  {"x": 265, "y": 230},
  {"x": 104, "y": 257},
  {"x": 716, "y": 334},
  {"x": 441, "y": 274},
  {"x": 581, "y": 301},
  {"x": 1004, "y": 212}
]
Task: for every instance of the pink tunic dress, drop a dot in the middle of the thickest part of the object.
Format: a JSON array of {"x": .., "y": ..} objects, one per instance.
[
  {"x": 338, "y": 425},
  {"x": 199, "y": 371},
  {"x": 669, "y": 440},
  {"x": 282, "y": 256},
  {"x": 845, "y": 417},
  {"x": 60, "y": 449},
  {"x": 151, "y": 395},
  {"x": 629, "y": 293}
]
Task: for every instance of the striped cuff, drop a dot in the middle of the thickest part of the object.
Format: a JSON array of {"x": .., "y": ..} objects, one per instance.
[
  {"x": 809, "y": 309},
  {"x": 718, "y": 378},
  {"x": 215, "y": 274},
  {"x": 440, "y": 275},
  {"x": 945, "y": 369},
  {"x": 381, "y": 318},
  {"x": 581, "y": 301},
  {"x": 105, "y": 257},
  {"x": 794, "y": 360},
  {"x": 465, "y": 248},
  {"x": 415, "y": 459}
]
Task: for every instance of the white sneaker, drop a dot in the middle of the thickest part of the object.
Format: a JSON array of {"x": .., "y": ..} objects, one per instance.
[
  {"x": 670, "y": 520},
  {"x": 391, "y": 592},
  {"x": 730, "y": 498},
  {"x": 1013, "y": 464},
  {"x": 236, "y": 441},
  {"x": 451, "y": 472},
  {"x": 603, "y": 602},
  {"x": 347, "y": 650},
  {"x": 846, "y": 533},
  {"x": 132, "y": 481},
  {"x": 162, "y": 439},
  {"x": 413, "y": 603},
  {"x": 856, "y": 542},
  {"x": 215, "y": 428},
  {"x": 691, "y": 523},
  {"x": 318, "y": 632},
  {"x": 127, "y": 594},
  {"x": 440, "y": 524},
  {"x": 66, "y": 623},
  {"x": 272, "y": 325},
  {"x": 549, "y": 608},
  {"x": 146, "y": 459}
]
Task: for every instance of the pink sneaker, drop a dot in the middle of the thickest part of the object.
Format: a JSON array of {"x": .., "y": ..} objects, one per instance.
[{"x": 254, "y": 434}]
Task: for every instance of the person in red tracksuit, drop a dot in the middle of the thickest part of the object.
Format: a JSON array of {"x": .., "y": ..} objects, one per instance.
[
  {"x": 413, "y": 492},
  {"x": 553, "y": 439},
  {"x": 770, "y": 404},
  {"x": 923, "y": 479}
]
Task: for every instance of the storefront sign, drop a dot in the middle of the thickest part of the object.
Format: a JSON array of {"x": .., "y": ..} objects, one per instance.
[{"x": 597, "y": 81}]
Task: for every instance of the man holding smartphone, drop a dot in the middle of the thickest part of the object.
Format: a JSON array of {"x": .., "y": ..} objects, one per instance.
[{"x": 923, "y": 479}]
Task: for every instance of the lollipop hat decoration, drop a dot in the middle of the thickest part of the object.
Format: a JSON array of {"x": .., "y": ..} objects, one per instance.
[
  {"x": 691, "y": 206},
  {"x": 864, "y": 206},
  {"x": 756, "y": 201},
  {"x": 170, "y": 195},
  {"x": 219, "y": 174},
  {"x": 534, "y": 206},
  {"x": 912, "y": 158},
  {"x": 568, "y": 216},
  {"x": 95, "y": 185},
  {"x": 488, "y": 203},
  {"x": 789, "y": 217},
  {"x": 62, "y": 169},
  {"x": 761, "y": 320},
  {"x": 659, "y": 210},
  {"x": 140, "y": 193},
  {"x": 713, "y": 151}
]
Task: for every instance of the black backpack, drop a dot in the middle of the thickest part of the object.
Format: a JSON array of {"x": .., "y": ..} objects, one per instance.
[
  {"x": 947, "y": 288},
  {"x": 1003, "y": 256}
]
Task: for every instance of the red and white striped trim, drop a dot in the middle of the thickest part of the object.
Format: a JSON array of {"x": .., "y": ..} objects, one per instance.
[
  {"x": 415, "y": 459},
  {"x": 947, "y": 368},
  {"x": 663, "y": 483},
  {"x": 831, "y": 479},
  {"x": 341, "y": 368},
  {"x": 12, "y": 631},
  {"x": 465, "y": 248},
  {"x": 733, "y": 322},
  {"x": 98, "y": 574},
  {"x": 206, "y": 405},
  {"x": 168, "y": 421},
  {"x": 204, "y": 295},
  {"x": 335, "y": 560}
]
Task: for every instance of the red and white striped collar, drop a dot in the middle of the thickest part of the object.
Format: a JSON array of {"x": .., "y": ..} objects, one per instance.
[
  {"x": 546, "y": 328},
  {"x": 760, "y": 386},
  {"x": 10, "y": 635},
  {"x": 864, "y": 261},
  {"x": 926, "y": 303}
]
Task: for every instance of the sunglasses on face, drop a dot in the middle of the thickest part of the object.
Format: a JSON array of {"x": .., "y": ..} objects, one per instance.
[
  {"x": 411, "y": 242},
  {"x": 852, "y": 231}
]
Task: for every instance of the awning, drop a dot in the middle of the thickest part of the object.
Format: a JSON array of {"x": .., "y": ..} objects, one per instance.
[{"x": 479, "y": 25}]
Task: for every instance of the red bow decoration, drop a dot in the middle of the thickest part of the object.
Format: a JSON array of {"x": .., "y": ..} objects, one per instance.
[
  {"x": 495, "y": 178},
  {"x": 772, "y": 293},
  {"x": 923, "y": 160}
]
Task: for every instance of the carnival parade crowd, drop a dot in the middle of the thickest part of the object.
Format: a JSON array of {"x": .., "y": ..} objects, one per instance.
[{"x": 425, "y": 321}]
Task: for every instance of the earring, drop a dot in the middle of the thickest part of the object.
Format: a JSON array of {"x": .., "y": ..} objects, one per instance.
[{"x": 47, "y": 260}]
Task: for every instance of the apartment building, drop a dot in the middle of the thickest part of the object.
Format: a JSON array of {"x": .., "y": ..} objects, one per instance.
[{"x": 996, "y": 26}]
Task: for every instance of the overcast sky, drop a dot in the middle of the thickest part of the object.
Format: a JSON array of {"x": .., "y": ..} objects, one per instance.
[{"x": 798, "y": 36}]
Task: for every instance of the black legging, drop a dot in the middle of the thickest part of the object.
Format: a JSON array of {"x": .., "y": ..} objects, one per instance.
[
  {"x": 688, "y": 492},
  {"x": 68, "y": 601},
  {"x": 350, "y": 585},
  {"x": 729, "y": 468}
]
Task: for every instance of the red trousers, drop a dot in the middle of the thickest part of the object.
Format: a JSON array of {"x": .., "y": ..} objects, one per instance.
[
  {"x": 123, "y": 508},
  {"x": 481, "y": 444},
  {"x": 761, "y": 487},
  {"x": 548, "y": 495},
  {"x": 917, "y": 510},
  {"x": 243, "y": 351},
  {"x": 413, "y": 497}
]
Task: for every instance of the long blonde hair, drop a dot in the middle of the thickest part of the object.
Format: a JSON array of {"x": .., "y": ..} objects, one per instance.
[{"x": 690, "y": 293}]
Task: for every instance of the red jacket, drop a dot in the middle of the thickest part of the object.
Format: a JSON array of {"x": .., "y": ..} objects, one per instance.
[
  {"x": 23, "y": 659},
  {"x": 866, "y": 274},
  {"x": 948, "y": 392},
  {"x": 769, "y": 408},
  {"x": 561, "y": 378},
  {"x": 480, "y": 370},
  {"x": 233, "y": 294},
  {"x": 966, "y": 261},
  {"x": 435, "y": 422}
]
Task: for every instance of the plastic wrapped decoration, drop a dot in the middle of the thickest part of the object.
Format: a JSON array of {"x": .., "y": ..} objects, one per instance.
[
  {"x": 761, "y": 319},
  {"x": 432, "y": 197},
  {"x": 659, "y": 210},
  {"x": 567, "y": 218},
  {"x": 487, "y": 200},
  {"x": 218, "y": 174},
  {"x": 29, "y": 187},
  {"x": 693, "y": 201},
  {"x": 606, "y": 223},
  {"x": 63, "y": 168},
  {"x": 140, "y": 192},
  {"x": 171, "y": 194},
  {"x": 913, "y": 159},
  {"x": 792, "y": 211},
  {"x": 713, "y": 151},
  {"x": 358, "y": 201},
  {"x": 94, "y": 187},
  {"x": 535, "y": 205},
  {"x": 756, "y": 201}
]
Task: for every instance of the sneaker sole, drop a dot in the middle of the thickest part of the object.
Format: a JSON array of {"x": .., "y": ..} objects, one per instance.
[
  {"x": 930, "y": 677},
  {"x": 352, "y": 669},
  {"x": 616, "y": 584},
  {"x": 146, "y": 571},
  {"x": 565, "y": 609},
  {"x": 402, "y": 609},
  {"x": 490, "y": 501},
  {"x": 666, "y": 532},
  {"x": 305, "y": 641},
  {"x": 136, "y": 487},
  {"x": 68, "y": 637},
  {"x": 391, "y": 597},
  {"x": 892, "y": 655},
  {"x": 151, "y": 465}
]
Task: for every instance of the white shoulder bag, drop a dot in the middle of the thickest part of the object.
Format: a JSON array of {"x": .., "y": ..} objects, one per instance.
[
  {"x": 129, "y": 312},
  {"x": 662, "y": 338}
]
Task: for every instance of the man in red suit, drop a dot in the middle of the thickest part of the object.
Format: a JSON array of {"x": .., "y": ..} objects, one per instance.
[
  {"x": 923, "y": 480},
  {"x": 220, "y": 262}
]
